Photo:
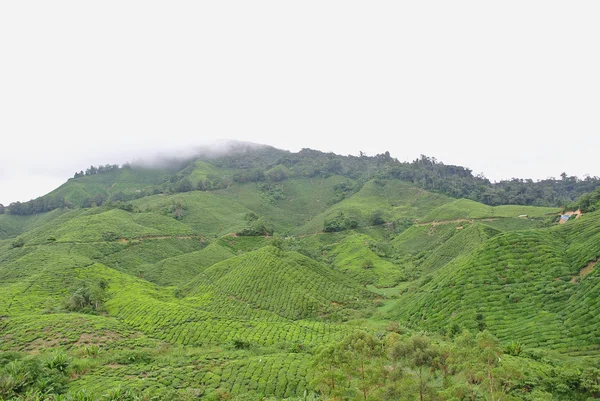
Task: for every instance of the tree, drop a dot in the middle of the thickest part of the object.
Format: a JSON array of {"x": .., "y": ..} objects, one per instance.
[
  {"x": 480, "y": 319},
  {"x": 91, "y": 170},
  {"x": 590, "y": 381},
  {"x": 185, "y": 185},
  {"x": 361, "y": 352},
  {"x": 276, "y": 174},
  {"x": 464, "y": 359},
  {"x": 421, "y": 356},
  {"x": 329, "y": 378},
  {"x": 376, "y": 218},
  {"x": 86, "y": 297},
  {"x": 351, "y": 367},
  {"x": 500, "y": 379}
]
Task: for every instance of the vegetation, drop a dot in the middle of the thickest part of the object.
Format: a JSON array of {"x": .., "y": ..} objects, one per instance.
[
  {"x": 269, "y": 275},
  {"x": 589, "y": 202},
  {"x": 246, "y": 164}
]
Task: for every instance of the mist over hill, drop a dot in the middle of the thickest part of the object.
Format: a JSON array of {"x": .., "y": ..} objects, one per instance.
[
  {"x": 223, "y": 164},
  {"x": 248, "y": 272}
]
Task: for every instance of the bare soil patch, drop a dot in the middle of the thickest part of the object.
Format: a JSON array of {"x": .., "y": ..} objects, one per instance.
[{"x": 585, "y": 271}]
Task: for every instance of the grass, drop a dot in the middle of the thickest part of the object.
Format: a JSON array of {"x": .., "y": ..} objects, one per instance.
[
  {"x": 422, "y": 239},
  {"x": 203, "y": 170},
  {"x": 288, "y": 205},
  {"x": 64, "y": 330},
  {"x": 179, "y": 270}
]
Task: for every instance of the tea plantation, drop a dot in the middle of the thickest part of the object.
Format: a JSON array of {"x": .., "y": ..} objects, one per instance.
[{"x": 269, "y": 275}]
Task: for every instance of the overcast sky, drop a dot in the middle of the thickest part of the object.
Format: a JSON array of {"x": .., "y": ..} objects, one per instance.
[{"x": 506, "y": 88}]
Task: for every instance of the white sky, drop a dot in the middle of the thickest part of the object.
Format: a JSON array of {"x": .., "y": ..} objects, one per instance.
[{"x": 506, "y": 88}]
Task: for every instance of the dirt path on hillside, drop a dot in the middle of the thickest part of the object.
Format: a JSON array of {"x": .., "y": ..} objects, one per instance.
[
  {"x": 124, "y": 240},
  {"x": 439, "y": 222}
]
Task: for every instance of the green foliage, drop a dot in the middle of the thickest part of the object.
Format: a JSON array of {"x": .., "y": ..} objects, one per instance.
[
  {"x": 175, "y": 209},
  {"x": 137, "y": 287},
  {"x": 18, "y": 243},
  {"x": 514, "y": 348},
  {"x": 257, "y": 227},
  {"x": 589, "y": 202},
  {"x": 239, "y": 343},
  {"x": 28, "y": 378},
  {"x": 339, "y": 223},
  {"x": 86, "y": 297},
  {"x": 520, "y": 285},
  {"x": 376, "y": 218},
  {"x": 58, "y": 361},
  {"x": 277, "y": 173}
]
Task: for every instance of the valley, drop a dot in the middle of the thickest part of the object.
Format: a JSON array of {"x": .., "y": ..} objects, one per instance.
[{"x": 268, "y": 275}]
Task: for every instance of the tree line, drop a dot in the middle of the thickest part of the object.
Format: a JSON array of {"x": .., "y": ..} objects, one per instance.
[
  {"x": 399, "y": 366},
  {"x": 38, "y": 205},
  {"x": 274, "y": 165},
  {"x": 425, "y": 172},
  {"x": 92, "y": 170}
]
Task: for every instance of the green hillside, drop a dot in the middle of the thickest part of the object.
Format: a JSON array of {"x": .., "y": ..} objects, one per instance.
[
  {"x": 524, "y": 285},
  {"x": 394, "y": 199},
  {"x": 287, "y": 284},
  {"x": 467, "y": 209},
  {"x": 268, "y": 275},
  {"x": 128, "y": 181}
]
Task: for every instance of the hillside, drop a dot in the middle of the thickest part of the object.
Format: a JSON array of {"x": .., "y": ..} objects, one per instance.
[
  {"x": 263, "y": 274},
  {"x": 524, "y": 285}
]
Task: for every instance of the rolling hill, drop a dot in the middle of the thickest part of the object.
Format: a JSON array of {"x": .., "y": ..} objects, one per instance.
[{"x": 232, "y": 276}]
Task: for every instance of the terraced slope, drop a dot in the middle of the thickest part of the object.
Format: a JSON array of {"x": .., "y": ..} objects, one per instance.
[
  {"x": 520, "y": 285},
  {"x": 393, "y": 198},
  {"x": 12, "y": 226},
  {"x": 128, "y": 181},
  {"x": 353, "y": 256},
  {"x": 287, "y": 284},
  {"x": 229, "y": 302},
  {"x": 468, "y": 209},
  {"x": 184, "y": 305}
]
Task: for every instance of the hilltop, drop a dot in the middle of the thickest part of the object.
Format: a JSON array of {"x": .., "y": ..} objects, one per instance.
[
  {"x": 265, "y": 273},
  {"x": 208, "y": 169}
]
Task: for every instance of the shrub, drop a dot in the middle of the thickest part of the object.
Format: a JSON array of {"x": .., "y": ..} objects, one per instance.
[
  {"x": 18, "y": 243},
  {"x": 513, "y": 348},
  {"x": 58, "y": 361},
  {"x": 238, "y": 343},
  {"x": 367, "y": 264},
  {"x": 376, "y": 218}
]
